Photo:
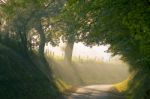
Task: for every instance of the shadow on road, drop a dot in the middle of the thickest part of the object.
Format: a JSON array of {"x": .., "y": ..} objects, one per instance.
[{"x": 97, "y": 92}]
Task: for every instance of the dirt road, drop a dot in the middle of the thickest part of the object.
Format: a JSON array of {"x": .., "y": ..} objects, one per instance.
[{"x": 96, "y": 92}]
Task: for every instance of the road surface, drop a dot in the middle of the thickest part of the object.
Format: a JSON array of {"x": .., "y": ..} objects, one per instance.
[{"x": 96, "y": 92}]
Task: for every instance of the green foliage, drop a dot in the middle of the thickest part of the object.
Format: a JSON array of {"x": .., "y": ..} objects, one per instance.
[
  {"x": 21, "y": 76},
  {"x": 125, "y": 25},
  {"x": 22, "y": 16},
  {"x": 21, "y": 79}
]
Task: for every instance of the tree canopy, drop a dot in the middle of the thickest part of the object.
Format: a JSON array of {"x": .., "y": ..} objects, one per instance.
[{"x": 124, "y": 24}]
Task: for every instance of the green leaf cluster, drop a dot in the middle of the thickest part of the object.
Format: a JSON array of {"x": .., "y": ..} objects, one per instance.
[{"x": 125, "y": 25}]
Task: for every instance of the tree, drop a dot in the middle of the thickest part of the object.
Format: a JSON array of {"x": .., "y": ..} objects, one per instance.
[
  {"x": 19, "y": 17},
  {"x": 125, "y": 26},
  {"x": 70, "y": 30},
  {"x": 30, "y": 14}
]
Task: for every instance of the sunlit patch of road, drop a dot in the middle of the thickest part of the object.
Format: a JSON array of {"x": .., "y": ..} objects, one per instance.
[{"x": 96, "y": 92}]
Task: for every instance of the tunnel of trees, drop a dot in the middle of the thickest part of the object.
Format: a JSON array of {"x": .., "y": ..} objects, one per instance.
[{"x": 124, "y": 24}]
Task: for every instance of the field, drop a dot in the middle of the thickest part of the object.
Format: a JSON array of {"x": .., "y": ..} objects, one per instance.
[{"x": 89, "y": 72}]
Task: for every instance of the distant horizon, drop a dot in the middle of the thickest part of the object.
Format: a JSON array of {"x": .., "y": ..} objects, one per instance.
[{"x": 84, "y": 52}]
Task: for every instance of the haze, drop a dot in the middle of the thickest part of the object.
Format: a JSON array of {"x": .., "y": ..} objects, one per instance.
[{"x": 84, "y": 52}]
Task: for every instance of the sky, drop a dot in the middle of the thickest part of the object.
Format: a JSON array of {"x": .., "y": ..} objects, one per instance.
[
  {"x": 97, "y": 52},
  {"x": 82, "y": 51}
]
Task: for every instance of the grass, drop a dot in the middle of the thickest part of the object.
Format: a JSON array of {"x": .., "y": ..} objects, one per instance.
[
  {"x": 122, "y": 86},
  {"x": 89, "y": 72},
  {"x": 64, "y": 88},
  {"x": 21, "y": 79}
]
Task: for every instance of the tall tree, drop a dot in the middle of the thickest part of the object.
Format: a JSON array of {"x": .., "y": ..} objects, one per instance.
[
  {"x": 28, "y": 14},
  {"x": 40, "y": 30},
  {"x": 69, "y": 18},
  {"x": 124, "y": 25}
]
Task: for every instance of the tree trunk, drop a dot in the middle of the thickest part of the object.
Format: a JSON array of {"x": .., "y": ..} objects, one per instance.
[
  {"x": 42, "y": 39},
  {"x": 22, "y": 34},
  {"x": 69, "y": 50},
  {"x": 42, "y": 44}
]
